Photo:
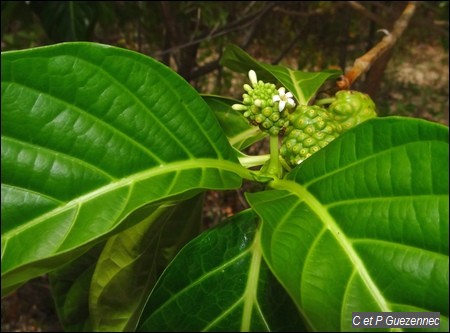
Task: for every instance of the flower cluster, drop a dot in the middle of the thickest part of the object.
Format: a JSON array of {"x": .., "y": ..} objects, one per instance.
[{"x": 265, "y": 106}]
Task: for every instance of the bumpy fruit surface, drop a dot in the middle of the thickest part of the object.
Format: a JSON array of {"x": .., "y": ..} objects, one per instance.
[
  {"x": 352, "y": 108},
  {"x": 310, "y": 129}
]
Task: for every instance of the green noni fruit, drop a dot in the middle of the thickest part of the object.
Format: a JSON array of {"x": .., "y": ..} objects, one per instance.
[
  {"x": 351, "y": 108},
  {"x": 310, "y": 129}
]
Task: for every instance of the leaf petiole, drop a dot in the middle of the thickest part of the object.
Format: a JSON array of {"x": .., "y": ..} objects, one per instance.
[{"x": 251, "y": 161}]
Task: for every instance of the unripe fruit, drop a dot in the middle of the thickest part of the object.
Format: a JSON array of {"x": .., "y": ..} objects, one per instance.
[
  {"x": 351, "y": 108},
  {"x": 310, "y": 129}
]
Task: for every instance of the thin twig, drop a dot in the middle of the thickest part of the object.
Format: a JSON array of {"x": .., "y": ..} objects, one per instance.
[
  {"x": 363, "y": 10},
  {"x": 363, "y": 64}
]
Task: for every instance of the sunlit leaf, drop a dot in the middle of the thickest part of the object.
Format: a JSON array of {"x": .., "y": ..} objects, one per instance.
[
  {"x": 91, "y": 133},
  {"x": 362, "y": 225}
]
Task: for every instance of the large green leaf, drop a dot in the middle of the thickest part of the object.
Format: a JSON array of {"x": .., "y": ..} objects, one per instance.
[
  {"x": 91, "y": 133},
  {"x": 304, "y": 85},
  {"x": 362, "y": 225},
  {"x": 237, "y": 129},
  {"x": 132, "y": 261},
  {"x": 219, "y": 282}
]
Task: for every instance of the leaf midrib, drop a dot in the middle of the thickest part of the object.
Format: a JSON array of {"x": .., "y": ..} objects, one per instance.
[
  {"x": 346, "y": 244},
  {"x": 222, "y": 165},
  {"x": 251, "y": 288},
  {"x": 300, "y": 95}
]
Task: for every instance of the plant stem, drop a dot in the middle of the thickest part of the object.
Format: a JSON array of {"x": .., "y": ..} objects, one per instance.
[
  {"x": 324, "y": 101},
  {"x": 274, "y": 150},
  {"x": 251, "y": 161},
  {"x": 274, "y": 164}
]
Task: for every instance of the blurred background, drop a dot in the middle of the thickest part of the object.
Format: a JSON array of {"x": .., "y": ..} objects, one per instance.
[{"x": 412, "y": 79}]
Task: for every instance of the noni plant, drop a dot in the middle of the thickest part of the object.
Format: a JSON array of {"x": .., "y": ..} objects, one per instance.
[{"x": 106, "y": 158}]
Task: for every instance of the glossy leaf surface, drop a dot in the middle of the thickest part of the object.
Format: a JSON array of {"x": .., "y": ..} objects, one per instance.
[
  {"x": 303, "y": 85},
  {"x": 91, "y": 133},
  {"x": 362, "y": 225},
  {"x": 219, "y": 282}
]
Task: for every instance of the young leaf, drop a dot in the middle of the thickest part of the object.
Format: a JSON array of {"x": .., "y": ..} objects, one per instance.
[
  {"x": 362, "y": 225},
  {"x": 91, "y": 133},
  {"x": 304, "y": 85},
  {"x": 219, "y": 282},
  {"x": 239, "y": 132}
]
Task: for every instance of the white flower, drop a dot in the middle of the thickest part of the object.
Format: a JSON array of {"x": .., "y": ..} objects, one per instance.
[
  {"x": 253, "y": 78},
  {"x": 283, "y": 98}
]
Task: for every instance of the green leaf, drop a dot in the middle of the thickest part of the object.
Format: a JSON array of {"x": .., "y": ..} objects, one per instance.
[
  {"x": 91, "y": 133},
  {"x": 70, "y": 289},
  {"x": 362, "y": 225},
  {"x": 117, "y": 278},
  {"x": 219, "y": 282},
  {"x": 239, "y": 132},
  {"x": 132, "y": 261},
  {"x": 304, "y": 85}
]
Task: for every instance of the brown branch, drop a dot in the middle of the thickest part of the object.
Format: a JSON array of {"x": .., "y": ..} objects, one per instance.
[{"x": 363, "y": 64}]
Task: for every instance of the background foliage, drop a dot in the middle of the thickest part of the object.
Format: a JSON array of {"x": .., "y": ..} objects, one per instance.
[{"x": 190, "y": 37}]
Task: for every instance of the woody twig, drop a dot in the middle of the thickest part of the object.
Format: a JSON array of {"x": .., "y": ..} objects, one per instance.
[{"x": 363, "y": 64}]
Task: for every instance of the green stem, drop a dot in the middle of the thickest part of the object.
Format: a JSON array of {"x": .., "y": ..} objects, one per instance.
[
  {"x": 325, "y": 101},
  {"x": 274, "y": 165},
  {"x": 251, "y": 161},
  {"x": 274, "y": 151}
]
